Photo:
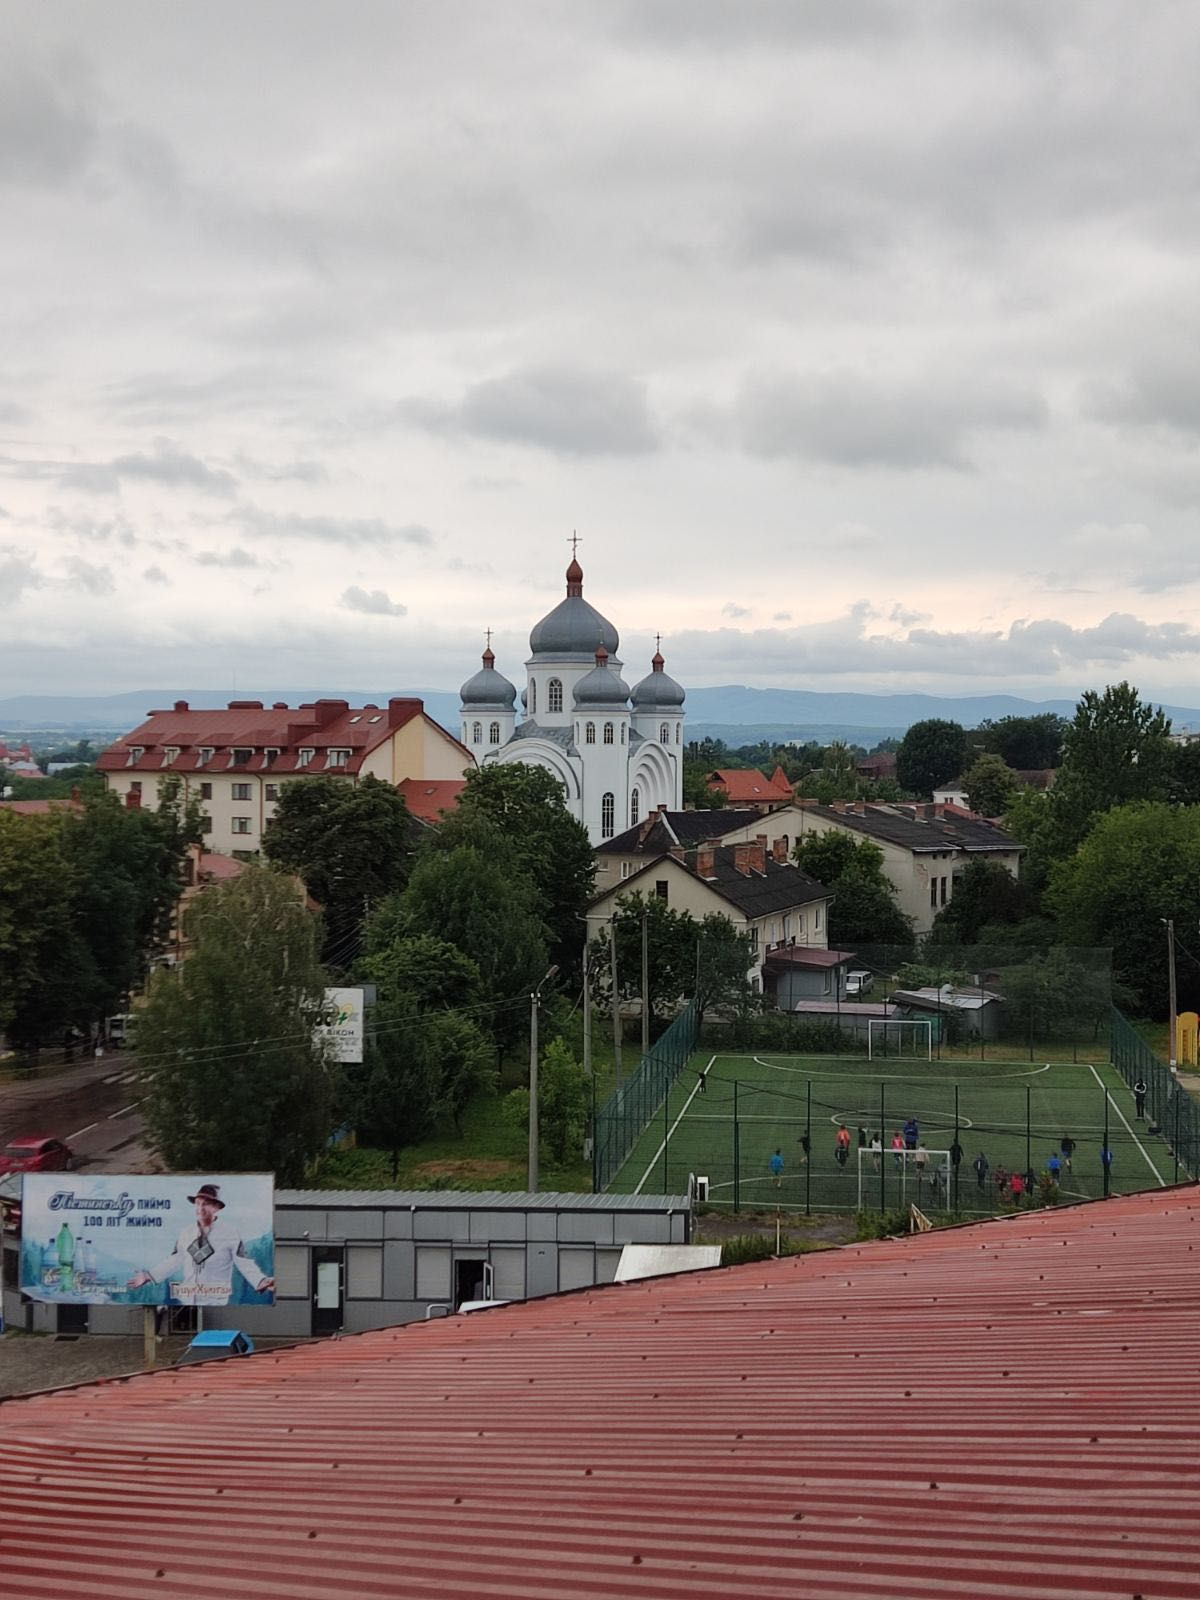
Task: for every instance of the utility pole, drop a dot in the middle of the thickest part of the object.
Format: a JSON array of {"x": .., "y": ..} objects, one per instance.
[
  {"x": 534, "y": 1001},
  {"x": 616, "y": 1003},
  {"x": 587, "y": 1011},
  {"x": 1172, "y": 1023},
  {"x": 645, "y": 981}
]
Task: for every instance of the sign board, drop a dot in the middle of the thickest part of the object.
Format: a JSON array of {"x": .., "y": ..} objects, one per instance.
[
  {"x": 99, "y": 1239},
  {"x": 342, "y": 1028}
]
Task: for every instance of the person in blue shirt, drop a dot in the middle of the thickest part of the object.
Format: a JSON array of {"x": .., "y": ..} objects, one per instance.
[
  {"x": 912, "y": 1133},
  {"x": 776, "y": 1165},
  {"x": 1106, "y": 1158},
  {"x": 1054, "y": 1167}
]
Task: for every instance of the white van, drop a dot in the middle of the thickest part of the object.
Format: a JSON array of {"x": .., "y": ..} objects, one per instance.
[{"x": 858, "y": 983}]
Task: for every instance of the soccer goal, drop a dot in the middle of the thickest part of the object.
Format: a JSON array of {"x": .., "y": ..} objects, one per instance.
[
  {"x": 893, "y": 1040},
  {"x": 919, "y": 1177}
]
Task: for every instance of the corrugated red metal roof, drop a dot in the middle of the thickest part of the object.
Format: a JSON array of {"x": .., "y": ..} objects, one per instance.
[{"x": 983, "y": 1412}]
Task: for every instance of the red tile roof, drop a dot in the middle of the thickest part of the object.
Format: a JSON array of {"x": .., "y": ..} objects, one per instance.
[
  {"x": 39, "y": 808},
  {"x": 216, "y": 867},
  {"x": 751, "y": 787},
  {"x": 973, "y": 1413},
  {"x": 427, "y": 798}
]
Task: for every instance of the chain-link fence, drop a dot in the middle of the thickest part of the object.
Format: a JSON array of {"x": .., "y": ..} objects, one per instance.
[
  {"x": 626, "y": 1114},
  {"x": 1169, "y": 1108}
]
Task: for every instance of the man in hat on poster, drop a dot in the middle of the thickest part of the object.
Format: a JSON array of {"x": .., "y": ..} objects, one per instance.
[{"x": 205, "y": 1254}]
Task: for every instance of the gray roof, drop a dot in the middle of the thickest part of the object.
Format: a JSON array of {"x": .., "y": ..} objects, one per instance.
[
  {"x": 909, "y": 827},
  {"x": 573, "y": 629},
  {"x": 469, "y": 1200},
  {"x": 601, "y": 687},
  {"x": 488, "y": 689},
  {"x": 676, "y": 827},
  {"x": 529, "y": 729},
  {"x": 658, "y": 689}
]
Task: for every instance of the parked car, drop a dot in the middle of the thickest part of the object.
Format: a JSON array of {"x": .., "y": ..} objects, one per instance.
[
  {"x": 36, "y": 1152},
  {"x": 858, "y": 983}
]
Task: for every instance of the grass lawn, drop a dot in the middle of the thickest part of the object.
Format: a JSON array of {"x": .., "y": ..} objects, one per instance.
[{"x": 1014, "y": 1112}]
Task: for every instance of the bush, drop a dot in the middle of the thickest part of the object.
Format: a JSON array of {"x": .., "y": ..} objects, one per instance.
[
  {"x": 880, "y": 1224},
  {"x": 747, "y": 1247}
]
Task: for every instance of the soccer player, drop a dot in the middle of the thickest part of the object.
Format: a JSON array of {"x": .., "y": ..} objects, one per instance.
[
  {"x": 776, "y": 1165},
  {"x": 805, "y": 1147},
  {"x": 982, "y": 1166},
  {"x": 1017, "y": 1186},
  {"x": 1139, "y": 1099},
  {"x": 1054, "y": 1167},
  {"x": 841, "y": 1148},
  {"x": 1067, "y": 1145},
  {"x": 920, "y": 1160},
  {"x": 898, "y": 1150},
  {"x": 1106, "y": 1165},
  {"x": 876, "y": 1150},
  {"x": 956, "y": 1154},
  {"x": 912, "y": 1133}
]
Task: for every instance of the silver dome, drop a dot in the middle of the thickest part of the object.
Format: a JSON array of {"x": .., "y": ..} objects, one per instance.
[
  {"x": 573, "y": 628},
  {"x": 658, "y": 691},
  {"x": 488, "y": 688},
  {"x": 601, "y": 686}
]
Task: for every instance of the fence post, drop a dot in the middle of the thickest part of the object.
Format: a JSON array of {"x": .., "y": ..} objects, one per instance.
[
  {"x": 882, "y": 1146},
  {"x": 1175, "y": 1140},
  {"x": 954, "y": 1165},
  {"x": 1108, "y": 1150},
  {"x": 1028, "y": 1130},
  {"x": 808, "y": 1161},
  {"x": 737, "y": 1176}
]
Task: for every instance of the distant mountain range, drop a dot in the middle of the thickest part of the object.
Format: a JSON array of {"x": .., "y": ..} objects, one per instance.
[{"x": 731, "y": 712}]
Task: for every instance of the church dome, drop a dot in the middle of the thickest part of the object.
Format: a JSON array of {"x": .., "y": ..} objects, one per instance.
[
  {"x": 657, "y": 691},
  {"x": 573, "y": 628},
  {"x": 601, "y": 687},
  {"x": 488, "y": 688}
]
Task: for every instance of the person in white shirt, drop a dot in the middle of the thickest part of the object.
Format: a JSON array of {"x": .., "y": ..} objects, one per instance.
[{"x": 205, "y": 1255}]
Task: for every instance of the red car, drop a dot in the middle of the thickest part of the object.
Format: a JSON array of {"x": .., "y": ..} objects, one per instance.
[{"x": 35, "y": 1152}]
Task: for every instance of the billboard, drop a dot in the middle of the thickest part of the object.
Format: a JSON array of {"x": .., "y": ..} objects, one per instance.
[
  {"x": 99, "y": 1239},
  {"x": 342, "y": 1026}
]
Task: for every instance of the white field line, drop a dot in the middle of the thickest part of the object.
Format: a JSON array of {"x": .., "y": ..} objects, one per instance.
[
  {"x": 898, "y": 1077},
  {"x": 1161, "y": 1180},
  {"x": 671, "y": 1129},
  {"x": 79, "y": 1132}
]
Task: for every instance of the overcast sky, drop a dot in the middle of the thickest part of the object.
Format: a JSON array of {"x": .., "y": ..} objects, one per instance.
[{"x": 858, "y": 341}]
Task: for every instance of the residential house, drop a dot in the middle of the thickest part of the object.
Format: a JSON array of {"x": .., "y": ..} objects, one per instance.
[
  {"x": 428, "y": 798},
  {"x": 234, "y": 761},
  {"x": 749, "y": 788},
  {"x": 665, "y": 831},
  {"x": 762, "y": 893}
]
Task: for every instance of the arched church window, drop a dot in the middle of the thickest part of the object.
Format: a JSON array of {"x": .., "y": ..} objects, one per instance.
[
  {"x": 466, "y": 732},
  {"x": 476, "y": 732},
  {"x": 589, "y": 733},
  {"x": 607, "y": 814},
  {"x": 554, "y": 695},
  {"x": 494, "y": 733},
  {"x": 533, "y": 697},
  {"x": 609, "y": 736},
  {"x": 664, "y": 734},
  {"x": 678, "y": 731},
  {"x": 635, "y": 806},
  {"x": 622, "y": 733}
]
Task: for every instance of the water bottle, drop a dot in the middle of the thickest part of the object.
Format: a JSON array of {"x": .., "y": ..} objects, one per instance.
[
  {"x": 49, "y": 1265},
  {"x": 65, "y": 1246}
]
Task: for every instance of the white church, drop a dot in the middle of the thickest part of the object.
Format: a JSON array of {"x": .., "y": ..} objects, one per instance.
[{"x": 617, "y": 752}]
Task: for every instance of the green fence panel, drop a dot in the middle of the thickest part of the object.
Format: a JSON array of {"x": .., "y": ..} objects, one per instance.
[{"x": 627, "y": 1112}]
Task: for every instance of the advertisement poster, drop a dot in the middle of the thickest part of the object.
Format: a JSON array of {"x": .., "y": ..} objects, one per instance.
[
  {"x": 343, "y": 1025},
  {"x": 101, "y": 1239}
]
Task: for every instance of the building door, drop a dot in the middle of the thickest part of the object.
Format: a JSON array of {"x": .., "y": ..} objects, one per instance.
[
  {"x": 328, "y": 1298},
  {"x": 472, "y": 1281}
]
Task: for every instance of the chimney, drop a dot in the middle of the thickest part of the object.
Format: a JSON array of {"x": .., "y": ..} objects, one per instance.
[
  {"x": 779, "y": 850},
  {"x": 329, "y": 711},
  {"x": 401, "y": 711},
  {"x": 676, "y": 850},
  {"x": 761, "y": 839},
  {"x": 133, "y": 801},
  {"x": 280, "y": 705},
  {"x": 758, "y": 854},
  {"x": 704, "y": 861},
  {"x": 741, "y": 859},
  {"x": 839, "y": 806},
  {"x": 181, "y": 705},
  {"x": 243, "y": 705}
]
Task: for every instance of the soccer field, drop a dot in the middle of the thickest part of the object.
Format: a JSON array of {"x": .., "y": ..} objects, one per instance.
[{"x": 726, "y": 1115}]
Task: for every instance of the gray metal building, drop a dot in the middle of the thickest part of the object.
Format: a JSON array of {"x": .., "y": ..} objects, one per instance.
[{"x": 358, "y": 1259}]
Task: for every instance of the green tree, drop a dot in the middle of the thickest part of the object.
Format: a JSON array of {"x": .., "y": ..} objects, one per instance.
[
  {"x": 237, "y": 1079},
  {"x": 437, "y": 975},
  {"x": 836, "y": 778},
  {"x": 990, "y": 785},
  {"x": 1116, "y": 751},
  {"x": 1139, "y": 865},
  {"x": 43, "y": 962},
  {"x": 864, "y": 909},
  {"x": 351, "y": 844},
  {"x": 723, "y": 965},
  {"x": 932, "y": 753},
  {"x": 1024, "y": 743},
  {"x": 985, "y": 893},
  {"x": 520, "y": 811}
]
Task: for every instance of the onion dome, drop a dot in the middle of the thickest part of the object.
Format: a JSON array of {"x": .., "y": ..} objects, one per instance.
[
  {"x": 488, "y": 689},
  {"x": 602, "y": 686},
  {"x": 657, "y": 691},
  {"x": 573, "y": 628}
]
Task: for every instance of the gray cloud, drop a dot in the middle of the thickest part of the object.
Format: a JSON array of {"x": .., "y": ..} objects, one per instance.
[
  {"x": 1164, "y": 392},
  {"x": 156, "y": 575},
  {"x": 235, "y": 559},
  {"x": 374, "y": 602},
  {"x": 89, "y": 578},
  {"x": 852, "y": 420},
  {"x": 567, "y": 412},
  {"x": 730, "y": 609},
  {"x": 47, "y": 127},
  {"x": 782, "y": 616},
  {"x": 18, "y": 572},
  {"x": 332, "y": 530},
  {"x": 168, "y": 464}
]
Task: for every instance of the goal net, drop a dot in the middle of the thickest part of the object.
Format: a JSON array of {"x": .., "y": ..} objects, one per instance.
[
  {"x": 903, "y": 1177},
  {"x": 910, "y": 1040}
]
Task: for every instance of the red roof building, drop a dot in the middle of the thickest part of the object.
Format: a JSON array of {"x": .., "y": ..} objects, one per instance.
[
  {"x": 233, "y": 761},
  {"x": 750, "y": 789},
  {"x": 975, "y": 1412},
  {"x": 428, "y": 800}
]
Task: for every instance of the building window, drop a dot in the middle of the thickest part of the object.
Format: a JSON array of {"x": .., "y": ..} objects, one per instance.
[
  {"x": 272, "y": 792},
  {"x": 622, "y": 733},
  {"x": 625, "y": 868},
  {"x": 205, "y": 824},
  {"x": 269, "y": 755},
  {"x": 136, "y": 753},
  {"x": 662, "y": 889},
  {"x": 678, "y": 731},
  {"x": 493, "y": 733},
  {"x": 589, "y": 733},
  {"x": 664, "y": 734},
  {"x": 933, "y": 893},
  {"x": 170, "y": 753},
  {"x": 241, "y": 824},
  {"x": 533, "y": 697},
  {"x": 608, "y": 733},
  {"x": 608, "y": 808},
  {"x": 827, "y": 985},
  {"x": 240, "y": 757},
  {"x": 554, "y": 695},
  {"x": 753, "y": 932},
  {"x": 635, "y": 806},
  {"x": 136, "y": 787},
  {"x": 304, "y": 758},
  {"x": 206, "y": 791},
  {"x": 477, "y": 733},
  {"x": 338, "y": 758},
  {"x": 241, "y": 791},
  {"x": 816, "y": 919},
  {"x": 945, "y": 882}
]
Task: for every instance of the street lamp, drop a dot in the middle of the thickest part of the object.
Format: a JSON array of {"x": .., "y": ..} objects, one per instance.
[{"x": 534, "y": 999}]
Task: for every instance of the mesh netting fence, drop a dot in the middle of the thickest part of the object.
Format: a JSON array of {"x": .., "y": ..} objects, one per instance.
[{"x": 625, "y": 1115}]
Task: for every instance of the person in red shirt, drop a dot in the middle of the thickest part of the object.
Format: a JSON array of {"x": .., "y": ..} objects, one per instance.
[
  {"x": 1017, "y": 1185},
  {"x": 841, "y": 1148}
]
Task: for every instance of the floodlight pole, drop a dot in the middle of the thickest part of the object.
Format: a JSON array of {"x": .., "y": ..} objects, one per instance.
[
  {"x": 808, "y": 1153},
  {"x": 645, "y": 979},
  {"x": 737, "y": 1182},
  {"x": 1172, "y": 1022},
  {"x": 534, "y": 1000}
]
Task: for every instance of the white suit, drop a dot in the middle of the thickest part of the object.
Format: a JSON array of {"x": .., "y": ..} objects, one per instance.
[{"x": 204, "y": 1264}]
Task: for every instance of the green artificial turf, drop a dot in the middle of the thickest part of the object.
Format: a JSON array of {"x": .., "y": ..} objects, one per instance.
[{"x": 779, "y": 1096}]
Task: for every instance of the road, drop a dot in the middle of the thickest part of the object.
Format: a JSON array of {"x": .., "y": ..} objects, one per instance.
[{"x": 93, "y": 1107}]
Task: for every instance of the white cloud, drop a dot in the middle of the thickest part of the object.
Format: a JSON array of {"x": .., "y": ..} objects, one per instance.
[{"x": 374, "y": 602}]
